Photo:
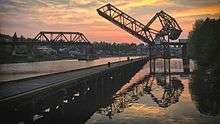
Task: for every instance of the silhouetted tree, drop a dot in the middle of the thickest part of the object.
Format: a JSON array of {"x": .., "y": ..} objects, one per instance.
[
  {"x": 22, "y": 38},
  {"x": 15, "y": 37},
  {"x": 204, "y": 47},
  {"x": 204, "y": 43}
]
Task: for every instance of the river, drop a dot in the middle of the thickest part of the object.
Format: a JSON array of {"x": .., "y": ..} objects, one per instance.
[
  {"x": 144, "y": 99},
  {"x": 134, "y": 103},
  {"x": 16, "y": 71}
]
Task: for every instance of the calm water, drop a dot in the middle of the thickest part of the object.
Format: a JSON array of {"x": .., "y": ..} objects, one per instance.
[
  {"x": 24, "y": 70},
  {"x": 146, "y": 100}
]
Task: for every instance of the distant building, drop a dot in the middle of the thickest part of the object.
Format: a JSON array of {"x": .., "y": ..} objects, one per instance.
[{"x": 142, "y": 49}]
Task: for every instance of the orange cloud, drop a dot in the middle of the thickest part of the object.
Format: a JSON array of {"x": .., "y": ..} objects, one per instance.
[
  {"x": 183, "y": 12},
  {"x": 81, "y": 15}
]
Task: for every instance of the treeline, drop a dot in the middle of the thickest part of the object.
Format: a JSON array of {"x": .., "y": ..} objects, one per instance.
[
  {"x": 204, "y": 49},
  {"x": 119, "y": 49},
  {"x": 115, "y": 46},
  {"x": 49, "y": 52},
  {"x": 8, "y": 38},
  {"x": 204, "y": 45},
  {"x": 100, "y": 48}
]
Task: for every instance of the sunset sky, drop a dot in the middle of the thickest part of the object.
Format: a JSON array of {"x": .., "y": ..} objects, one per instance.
[{"x": 28, "y": 17}]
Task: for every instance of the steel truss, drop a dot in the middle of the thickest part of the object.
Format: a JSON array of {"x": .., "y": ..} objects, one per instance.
[
  {"x": 157, "y": 39},
  {"x": 143, "y": 32},
  {"x": 61, "y": 37}
]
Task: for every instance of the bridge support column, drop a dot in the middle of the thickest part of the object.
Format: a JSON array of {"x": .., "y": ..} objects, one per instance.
[
  {"x": 164, "y": 66},
  {"x": 150, "y": 63},
  {"x": 150, "y": 58},
  {"x": 154, "y": 65},
  {"x": 169, "y": 65},
  {"x": 164, "y": 58},
  {"x": 169, "y": 57},
  {"x": 186, "y": 68},
  {"x": 186, "y": 63}
]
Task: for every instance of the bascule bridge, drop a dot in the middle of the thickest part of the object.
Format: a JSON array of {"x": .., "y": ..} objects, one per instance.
[{"x": 159, "y": 41}]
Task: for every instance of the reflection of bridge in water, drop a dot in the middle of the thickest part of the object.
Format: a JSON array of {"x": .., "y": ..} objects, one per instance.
[{"x": 170, "y": 92}]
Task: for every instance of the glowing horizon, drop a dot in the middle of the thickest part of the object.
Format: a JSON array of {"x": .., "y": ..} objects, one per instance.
[{"x": 28, "y": 17}]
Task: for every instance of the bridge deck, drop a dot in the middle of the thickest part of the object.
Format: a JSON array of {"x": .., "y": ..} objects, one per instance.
[{"x": 12, "y": 89}]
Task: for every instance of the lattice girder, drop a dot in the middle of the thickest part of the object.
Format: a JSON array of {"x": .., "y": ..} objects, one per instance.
[{"x": 60, "y": 37}]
